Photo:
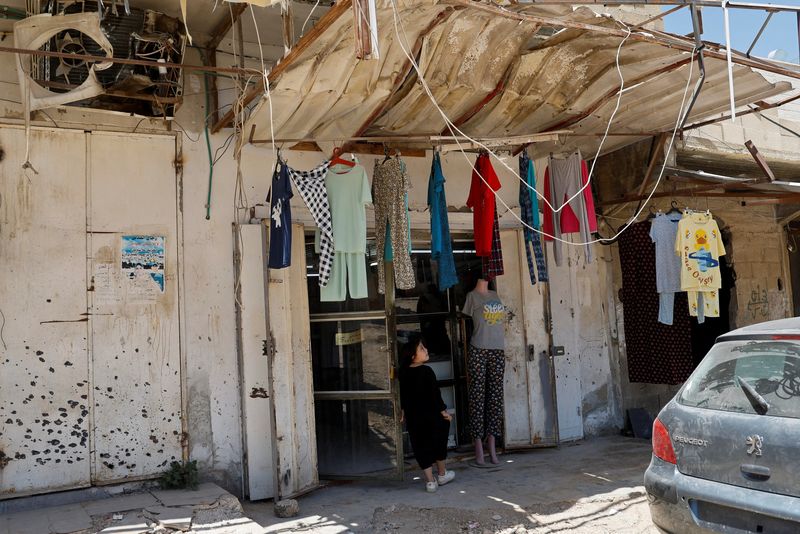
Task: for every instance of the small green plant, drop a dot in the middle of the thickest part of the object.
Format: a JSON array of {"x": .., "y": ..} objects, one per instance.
[{"x": 180, "y": 476}]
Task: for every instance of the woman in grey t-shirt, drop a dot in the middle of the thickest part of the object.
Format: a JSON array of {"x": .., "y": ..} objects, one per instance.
[{"x": 486, "y": 365}]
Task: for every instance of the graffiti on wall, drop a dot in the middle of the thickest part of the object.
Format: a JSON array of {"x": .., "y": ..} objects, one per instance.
[{"x": 758, "y": 304}]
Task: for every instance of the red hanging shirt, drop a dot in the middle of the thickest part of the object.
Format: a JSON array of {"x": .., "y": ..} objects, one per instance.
[
  {"x": 569, "y": 222},
  {"x": 481, "y": 200}
]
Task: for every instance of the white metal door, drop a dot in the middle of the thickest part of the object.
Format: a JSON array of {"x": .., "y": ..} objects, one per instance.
[
  {"x": 44, "y": 369},
  {"x": 256, "y": 381},
  {"x": 133, "y": 305},
  {"x": 566, "y": 353},
  {"x": 280, "y": 432},
  {"x": 291, "y": 372},
  {"x": 529, "y": 408}
]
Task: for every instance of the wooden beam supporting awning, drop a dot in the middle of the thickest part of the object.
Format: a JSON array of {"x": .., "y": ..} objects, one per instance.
[{"x": 340, "y": 8}]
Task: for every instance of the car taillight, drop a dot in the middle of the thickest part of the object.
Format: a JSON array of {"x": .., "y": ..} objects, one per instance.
[{"x": 662, "y": 444}]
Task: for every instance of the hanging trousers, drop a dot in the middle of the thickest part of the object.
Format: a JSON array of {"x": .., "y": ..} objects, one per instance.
[
  {"x": 311, "y": 185},
  {"x": 349, "y": 269},
  {"x": 566, "y": 179},
  {"x": 703, "y": 304},
  {"x": 485, "y": 391}
]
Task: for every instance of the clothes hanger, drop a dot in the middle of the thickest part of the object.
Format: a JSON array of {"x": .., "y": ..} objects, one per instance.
[
  {"x": 386, "y": 155},
  {"x": 653, "y": 213},
  {"x": 336, "y": 158},
  {"x": 673, "y": 208}
]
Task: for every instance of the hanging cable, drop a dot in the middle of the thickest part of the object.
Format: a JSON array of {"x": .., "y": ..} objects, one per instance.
[{"x": 452, "y": 127}]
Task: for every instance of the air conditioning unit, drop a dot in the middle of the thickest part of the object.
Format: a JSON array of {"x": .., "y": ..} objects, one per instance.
[{"x": 103, "y": 29}]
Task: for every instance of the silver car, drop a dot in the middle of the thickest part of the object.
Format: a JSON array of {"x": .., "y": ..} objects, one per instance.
[{"x": 726, "y": 449}]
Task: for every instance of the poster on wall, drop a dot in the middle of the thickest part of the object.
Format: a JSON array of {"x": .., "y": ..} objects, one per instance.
[{"x": 143, "y": 267}]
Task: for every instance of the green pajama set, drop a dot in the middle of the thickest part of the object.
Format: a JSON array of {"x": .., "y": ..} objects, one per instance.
[{"x": 348, "y": 194}]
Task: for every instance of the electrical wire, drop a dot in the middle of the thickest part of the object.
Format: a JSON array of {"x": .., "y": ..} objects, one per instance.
[
  {"x": 266, "y": 82},
  {"x": 303, "y": 29},
  {"x": 452, "y": 127},
  {"x": 208, "y": 148}
]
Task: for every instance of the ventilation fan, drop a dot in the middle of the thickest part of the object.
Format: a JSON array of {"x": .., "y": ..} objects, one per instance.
[
  {"x": 34, "y": 32},
  {"x": 92, "y": 28}
]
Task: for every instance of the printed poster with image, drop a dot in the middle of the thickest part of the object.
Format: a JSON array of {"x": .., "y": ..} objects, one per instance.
[{"x": 143, "y": 267}]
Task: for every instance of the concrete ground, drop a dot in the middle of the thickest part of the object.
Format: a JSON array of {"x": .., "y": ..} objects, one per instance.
[
  {"x": 208, "y": 509},
  {"x": 592, "y": 486}
]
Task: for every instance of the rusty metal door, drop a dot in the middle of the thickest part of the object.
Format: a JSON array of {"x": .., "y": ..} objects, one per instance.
[
  {"x": 135, "y": 353},
  {"x": 44, "y": 369}
]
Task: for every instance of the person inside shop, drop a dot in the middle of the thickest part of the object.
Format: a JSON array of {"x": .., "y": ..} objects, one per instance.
[
  {"x": 486, "y": 365},
  {"x": 425, "y": 413},
  {"x": 432, "y": 323}
]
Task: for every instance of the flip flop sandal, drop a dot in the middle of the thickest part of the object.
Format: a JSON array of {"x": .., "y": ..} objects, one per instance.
[{"x": 480, "y": 466}]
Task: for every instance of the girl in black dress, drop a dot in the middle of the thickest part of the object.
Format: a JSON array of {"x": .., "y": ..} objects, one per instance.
[{"x": 424, "y": 413}]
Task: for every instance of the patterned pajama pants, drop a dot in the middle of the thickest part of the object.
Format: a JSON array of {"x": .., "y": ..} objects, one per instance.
[{"x": 485, "y": 391}]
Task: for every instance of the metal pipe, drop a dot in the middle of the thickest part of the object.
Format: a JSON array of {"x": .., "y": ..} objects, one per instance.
[
  {"x": 727, "y": 21},
  {"x": 126, "y": 61},
  {"x": 758, "y": 35},
  {"x": 699, "y": 45}
]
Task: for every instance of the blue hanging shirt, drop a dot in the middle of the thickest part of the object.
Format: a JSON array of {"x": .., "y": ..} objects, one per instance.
[
  {"x": 280, "y": 219},
  {"x": 441, "y": 245}
]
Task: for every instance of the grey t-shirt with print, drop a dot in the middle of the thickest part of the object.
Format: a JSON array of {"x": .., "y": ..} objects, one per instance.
[{"x": 488, "y": 319}]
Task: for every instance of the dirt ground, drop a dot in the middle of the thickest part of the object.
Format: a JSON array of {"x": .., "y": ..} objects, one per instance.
[{"x": 592, "y": 486}]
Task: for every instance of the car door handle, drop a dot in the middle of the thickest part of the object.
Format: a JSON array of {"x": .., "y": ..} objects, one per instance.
[{"x": 755, "y": 472}]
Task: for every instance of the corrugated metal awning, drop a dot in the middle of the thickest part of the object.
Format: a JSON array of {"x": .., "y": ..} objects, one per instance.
[{"x": 494, "y": 77}]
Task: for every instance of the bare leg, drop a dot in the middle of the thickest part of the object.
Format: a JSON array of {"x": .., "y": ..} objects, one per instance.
[
  {"x": 479, "y": 452},
  {"x": 441, "y": 467},
  {"x": 428, "y": 474},
  {"x": 492, "y": 451}
]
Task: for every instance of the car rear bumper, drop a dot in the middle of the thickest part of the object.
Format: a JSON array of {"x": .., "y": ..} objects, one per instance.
[{"x": 689, "y": 505}]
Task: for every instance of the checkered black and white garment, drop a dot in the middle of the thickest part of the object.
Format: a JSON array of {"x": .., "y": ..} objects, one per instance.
[
  {"x": 493, "y": 264},
  {"x": 311, "y": 185}
]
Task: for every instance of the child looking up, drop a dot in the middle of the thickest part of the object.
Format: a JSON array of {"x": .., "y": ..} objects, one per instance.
[{"x": 425, "y": 413}]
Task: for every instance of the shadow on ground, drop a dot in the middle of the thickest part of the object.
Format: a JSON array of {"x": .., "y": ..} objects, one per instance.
[{"x": 593, "y": 486}]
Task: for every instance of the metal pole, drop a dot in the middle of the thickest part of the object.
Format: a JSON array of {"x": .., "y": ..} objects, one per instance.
[
  {"x": 730, "y": 62},
  {"x": 699, "y": 45},
  {"x": 763, "y": 27}
]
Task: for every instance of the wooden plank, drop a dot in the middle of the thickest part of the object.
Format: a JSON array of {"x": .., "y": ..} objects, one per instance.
[
  {"x": 225, "y": 24},
  {"x": 659, "y": 148},
  {"x": 373, "y": 149},
  {"x": 760, "y": 161},
  {"x": 302, "y": 45}
]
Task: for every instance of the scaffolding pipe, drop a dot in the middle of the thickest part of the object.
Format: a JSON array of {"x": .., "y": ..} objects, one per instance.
[
  {"x": 728, "y": 55},
  {"x": 699, "y": 45}
]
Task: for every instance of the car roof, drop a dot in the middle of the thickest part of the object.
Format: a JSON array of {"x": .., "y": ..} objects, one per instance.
[{"x": 781, "y": 326}]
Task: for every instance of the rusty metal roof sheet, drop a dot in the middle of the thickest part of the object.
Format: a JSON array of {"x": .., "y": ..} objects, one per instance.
[{"x": 493, "y": 77}]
